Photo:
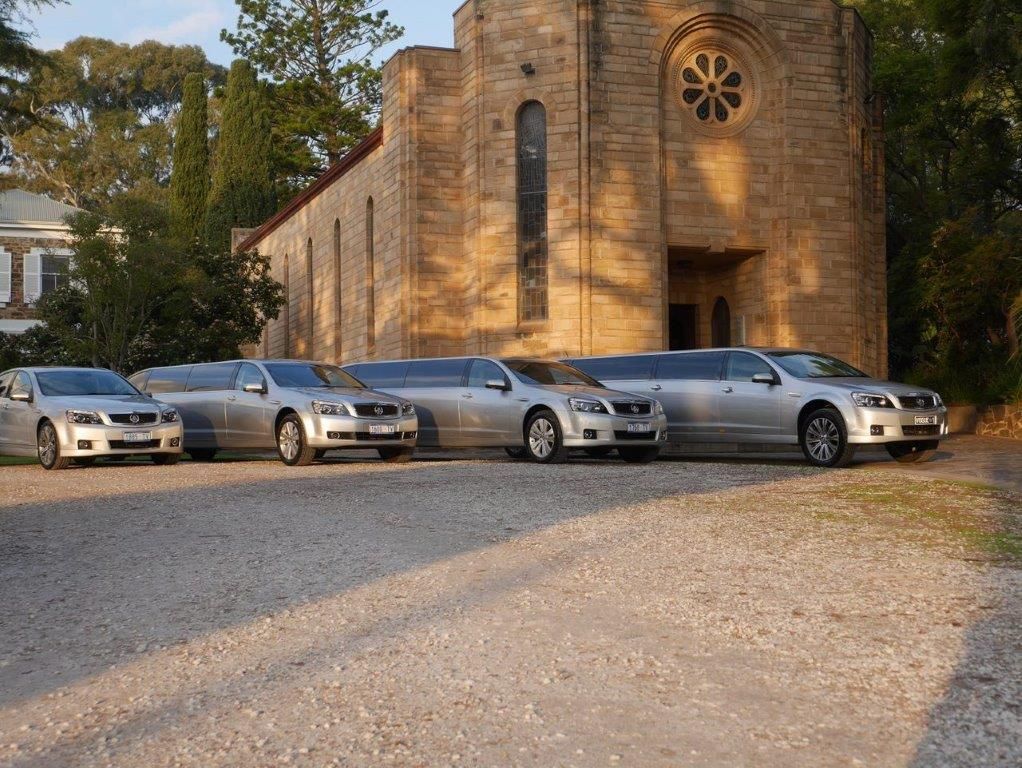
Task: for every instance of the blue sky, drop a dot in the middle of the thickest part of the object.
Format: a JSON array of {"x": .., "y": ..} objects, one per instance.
[{"x": 426, "y": 22}]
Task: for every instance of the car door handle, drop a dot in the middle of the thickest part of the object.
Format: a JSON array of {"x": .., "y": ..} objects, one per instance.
[
  {"x": 728, "y": 390},
  {"x": 656, "y": 387},
  {"x": 231, "y": 399},
  {"x": 467, "y": 395}
]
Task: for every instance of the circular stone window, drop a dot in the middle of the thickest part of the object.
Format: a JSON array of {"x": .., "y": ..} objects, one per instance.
[{"x": 715, "y": 88}]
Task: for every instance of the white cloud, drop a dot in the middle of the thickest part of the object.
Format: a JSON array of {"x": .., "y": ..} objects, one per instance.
[{"x": 188, "y": 29}]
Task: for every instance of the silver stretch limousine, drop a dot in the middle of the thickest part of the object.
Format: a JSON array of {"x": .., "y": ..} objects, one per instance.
[
  {"x": 75, "y": 415},
  {"x": 537, "y": 409},
  {"x": 780, "y": 396},
  {"x": 302, "y": 409}
]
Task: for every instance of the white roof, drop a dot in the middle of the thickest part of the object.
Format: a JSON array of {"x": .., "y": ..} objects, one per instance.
[{"x": 20, "y": 207}]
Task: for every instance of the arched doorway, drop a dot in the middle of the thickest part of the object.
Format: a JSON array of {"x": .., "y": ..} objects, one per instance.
[{"x": 720, "y": 325}]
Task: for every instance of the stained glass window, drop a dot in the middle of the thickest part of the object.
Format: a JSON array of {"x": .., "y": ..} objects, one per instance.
[
  {"x": 714, "y": 93},
  {"x": 532, "y": 213}
]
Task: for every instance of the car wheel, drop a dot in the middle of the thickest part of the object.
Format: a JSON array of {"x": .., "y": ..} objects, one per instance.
[
  {"x": 88, "y": 461},
  {"x": 544, "y": 442},
  {"x": 165, "y": 459},
  {"x": 599, "y": 453},
  {"x": 824, "y": 439},
  {"x": 913, "y": 453},
  {"x": 292, "y": 447},
  {"x": 202, "y": 454},
  {"x": 517, "y": 453},
  {"x": 49, "y": 448},
  {"x": 643, "y": 455},
  {"x": 396, "y": 455}
]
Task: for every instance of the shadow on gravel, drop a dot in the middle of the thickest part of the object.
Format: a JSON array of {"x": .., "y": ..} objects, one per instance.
[
  {"x": 978, "y": 722},
  {"x": 100, "y": 580}
]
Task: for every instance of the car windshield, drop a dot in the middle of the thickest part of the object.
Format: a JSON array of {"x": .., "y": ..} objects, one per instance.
[
  {"x": 308, "y": 375},
  {"x": 809, "y": 365},
  {"x": 545, "y": 373},
  {"x": 83, "y": 383}
]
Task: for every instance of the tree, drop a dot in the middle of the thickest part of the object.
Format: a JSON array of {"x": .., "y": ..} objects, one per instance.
[
  {"x": 17, "y": 60},
  {"x": 319, "y": 55},
  {"x": 242, "y": 193},
  {"x": 189, "y": 181},
  {"x": 103, "y": 119}
]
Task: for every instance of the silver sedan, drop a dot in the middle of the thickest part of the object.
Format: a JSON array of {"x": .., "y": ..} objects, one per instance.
[{"x": 75, "y": 415}]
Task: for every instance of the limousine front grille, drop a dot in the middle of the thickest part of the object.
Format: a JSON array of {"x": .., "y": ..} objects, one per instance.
[
  {"x": 918, "y": 402},
  {"x": 634, "y": 436},
  {"x": 921, "y": 431},
  {"x": 131, "y": 419},
  {"x": 632, "y": 408},
  {"x": 120, "y": 445},
  {"x": 376, "y": 410}
]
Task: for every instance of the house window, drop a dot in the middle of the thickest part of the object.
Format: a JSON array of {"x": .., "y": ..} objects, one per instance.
[
  {"x": 370, "y": 279},
  {"x": 53, "y": 272},
  {"x": 532, "y": 213}
]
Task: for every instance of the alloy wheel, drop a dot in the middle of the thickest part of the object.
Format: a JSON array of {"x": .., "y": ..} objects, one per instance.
[
  {"x": 823, "y": 439},
  {"x": 542, "y": 438},
  {"x": 47, "y": 445},
  {"x": 290, "y": 440}
]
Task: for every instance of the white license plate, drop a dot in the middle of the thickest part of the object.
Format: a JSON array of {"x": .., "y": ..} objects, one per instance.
[
  {"x": 138, "y": 437},
  {"x": 643, "y": 428},
  {"x": 926, "y": 421},
  {"x": 382, "y": 429}
]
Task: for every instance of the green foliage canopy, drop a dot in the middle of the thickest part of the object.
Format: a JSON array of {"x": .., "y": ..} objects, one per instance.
[{"x": 189, "y": 181}]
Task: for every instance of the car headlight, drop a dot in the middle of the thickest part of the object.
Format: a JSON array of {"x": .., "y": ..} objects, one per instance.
[
  {"x": 586, "y": 406},
  {"x": 169, "y": 416},
  {"x": 938, "y": 400},
  {"x": 407, "y": 409},
  {"x": 83, "y": 417},
  {"x": 869, "y": 400},
  {"x": 330, "y": 409},
  {"x": 658, "y": 409}
]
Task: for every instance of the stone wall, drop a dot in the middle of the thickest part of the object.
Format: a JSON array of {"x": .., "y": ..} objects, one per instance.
[{"x": 1001, "y": 421}]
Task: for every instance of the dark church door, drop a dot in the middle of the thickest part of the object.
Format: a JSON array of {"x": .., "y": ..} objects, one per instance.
[
  {"x": 684, "y": 326},
  {"x": 721, "y": 324}
]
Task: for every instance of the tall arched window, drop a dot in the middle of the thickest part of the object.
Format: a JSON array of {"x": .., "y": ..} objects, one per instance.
[
  {"x": 720, "y": 327},
  {"x": 370, "y": 279},
  {"x": 338, "y": 347},
  {"x": 310, "y": 297},
  {"x": 287, "y": 305},
  {"x": 532, "y": 212}
]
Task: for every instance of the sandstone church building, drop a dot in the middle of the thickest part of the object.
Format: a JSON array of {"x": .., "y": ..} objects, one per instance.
[{"x": 601, "y": 176}]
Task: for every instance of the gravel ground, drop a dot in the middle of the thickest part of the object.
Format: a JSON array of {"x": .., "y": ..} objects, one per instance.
[{"x": 492, "y": 613}]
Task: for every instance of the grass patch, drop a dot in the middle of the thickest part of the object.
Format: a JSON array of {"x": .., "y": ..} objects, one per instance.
[{"x": 16, "y": 461}]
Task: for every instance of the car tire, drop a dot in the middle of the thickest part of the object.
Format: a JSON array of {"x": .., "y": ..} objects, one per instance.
[
  {"x": 824, "y": 439},
  {"x": 292, "y": 446},
  {"x": 517, "y": 453},
  {"x": 635, "y": 455},
  {"x": 165, "y": 459},
  {"x": 88, "y": 461},
  {"x": 48, "y": 448},
  {"x": 396, "y": 455},
  {"x": 201, "y": 454},
  {"x": 913, "y": 453},
  {"x": 544, "y": 440},
  {"x": 598, "y": 453}
]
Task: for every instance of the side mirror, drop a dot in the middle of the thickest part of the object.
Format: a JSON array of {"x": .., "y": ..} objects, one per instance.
[
  {"x": 21, "y": 397},
  {"x": 764, "y": 378},
  {"x": 255, "y": 389},
  {"x": 498, "y": 384}
]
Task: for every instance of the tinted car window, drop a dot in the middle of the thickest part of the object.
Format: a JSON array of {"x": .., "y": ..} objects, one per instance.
[
  {"x": 436, "y": 373},
  {"x": 310, "y": 375},
  {"x": 543, "y": 372},
  {"x": 21, "y": 385},
  {"x": 248, "y": 374},
  {"x": 211, "y": 378},
  {"x": 483, "y": 371},
  {"x": 807, "y": 365},
  {"x": 5, "y": 380},
  {"x": 383, "y": 375},
  {"x": 166, "y": 380},
  {"x": 618, "y": 368},
  {"x": 742, "y": 366},
  {"x": 690, "y": 366},
  {"x": 83, "y": 383},
  {"x": 139, "y": 379}
]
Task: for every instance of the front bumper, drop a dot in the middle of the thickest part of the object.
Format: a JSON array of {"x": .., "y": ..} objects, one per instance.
[
  {"x": 337, "y": 432},
  {"x": 895, "y": 425},
  {"x": 106, "y": 440},
  {"x": 601, "y": 430}
]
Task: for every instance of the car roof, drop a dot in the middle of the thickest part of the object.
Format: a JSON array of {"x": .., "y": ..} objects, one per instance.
[{"x": 761, "y": 350}]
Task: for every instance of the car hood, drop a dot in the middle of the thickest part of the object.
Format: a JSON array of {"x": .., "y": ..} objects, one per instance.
[
  {"x": 597, "y": 392},
  {"x": 874, "y": 386},
  {"x": 107, "y": 403},
  {"x": 346, "y": 395}
]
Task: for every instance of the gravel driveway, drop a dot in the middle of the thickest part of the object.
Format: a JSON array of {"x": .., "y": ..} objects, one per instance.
[{"x": 492, "y": 613}]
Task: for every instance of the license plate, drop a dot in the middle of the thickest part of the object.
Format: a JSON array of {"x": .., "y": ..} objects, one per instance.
[
  {"x": 138, "y": 437},
  {"x": 926, "y": 421},
  {"x": 642, "y": 429},
  {"x": 382, "y": 429}
]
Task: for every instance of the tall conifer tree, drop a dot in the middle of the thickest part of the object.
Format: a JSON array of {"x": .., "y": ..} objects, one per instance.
[
  {"x": 242, "y": 193},
  {"x": 189, "y": 182}
]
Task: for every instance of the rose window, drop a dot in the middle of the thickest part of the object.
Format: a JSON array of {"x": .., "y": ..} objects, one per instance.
[{"x": 713, "y": 87}]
